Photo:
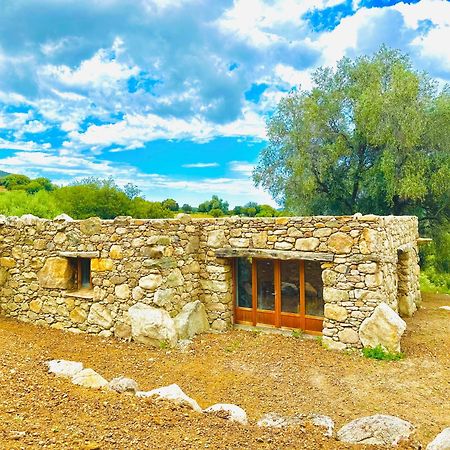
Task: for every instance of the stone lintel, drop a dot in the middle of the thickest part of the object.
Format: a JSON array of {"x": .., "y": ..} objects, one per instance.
[
  {"x": 274, "y": 254},
  {"x": 95, "y": 254}
]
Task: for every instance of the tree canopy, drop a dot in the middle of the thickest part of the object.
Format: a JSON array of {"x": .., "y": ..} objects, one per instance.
[{"x": 371, "y": 136}]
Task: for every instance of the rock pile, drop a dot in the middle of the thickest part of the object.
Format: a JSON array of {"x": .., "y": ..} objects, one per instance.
[{"x": 379, "y": 429}]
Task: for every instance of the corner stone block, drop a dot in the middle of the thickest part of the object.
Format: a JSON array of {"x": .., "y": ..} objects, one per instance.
[
  {"x": 348, "y": 336},
  {"x": 332, "y": 295},
  {"x": 369, "y": 241},
  {"x": 335, "y": 312},
  {"x": 57, "y": 273}
]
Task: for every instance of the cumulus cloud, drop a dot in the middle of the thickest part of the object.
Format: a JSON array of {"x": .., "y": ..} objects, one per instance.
[{"x": 112, "y": 75}]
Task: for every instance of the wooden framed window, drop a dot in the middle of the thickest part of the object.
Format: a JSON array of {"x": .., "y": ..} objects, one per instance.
[{"x": 278, "y": 293}]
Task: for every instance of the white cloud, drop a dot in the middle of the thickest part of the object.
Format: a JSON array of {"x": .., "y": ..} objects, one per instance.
[
  {"x": 200, "y": 165},
  {"x": 242, "y": 167},
  {"x": 102, "y": 71}
]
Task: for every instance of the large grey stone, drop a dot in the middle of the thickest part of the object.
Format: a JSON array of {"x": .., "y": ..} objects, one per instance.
[
  {"x": 64, "y": 368},
  {"x": 123, "y": 384},
  {"x": 376, "y": 430},
  {"x": 89, "y": 378},
  {"x": 172, "y": 393},
  {"x": 151, "y": 326},
  {"x": 441, "y": 441},
  {"x": 100, "y": 315},
  {"x": 384, "y": 327},
  {"x": 228, "y": 411},
  {"x": 191, "y": 320}
]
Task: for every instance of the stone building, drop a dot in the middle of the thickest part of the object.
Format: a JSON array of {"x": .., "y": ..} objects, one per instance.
[{"x": 324, "y": 275}]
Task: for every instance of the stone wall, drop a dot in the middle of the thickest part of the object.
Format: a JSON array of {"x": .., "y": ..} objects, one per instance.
[{"x": 169, "y": 262}]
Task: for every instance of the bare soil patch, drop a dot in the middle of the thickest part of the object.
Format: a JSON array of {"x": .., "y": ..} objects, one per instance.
[{"x": 259, "y": 372}]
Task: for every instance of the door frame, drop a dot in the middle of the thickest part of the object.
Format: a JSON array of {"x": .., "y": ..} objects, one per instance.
[{"x": 249, "y": 316}]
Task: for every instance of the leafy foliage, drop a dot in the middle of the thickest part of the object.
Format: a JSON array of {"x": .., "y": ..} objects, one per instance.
[
  {"x": 372, "y": 136},
  {"x": 86, "y": 198},
  {"x": 379, "y": 352}
]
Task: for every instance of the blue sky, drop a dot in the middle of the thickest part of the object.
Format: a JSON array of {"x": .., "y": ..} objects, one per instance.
[{"x": 172, "y": 95}]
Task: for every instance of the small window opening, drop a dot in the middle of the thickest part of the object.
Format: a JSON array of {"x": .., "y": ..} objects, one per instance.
[{"x": 84, "y": 273}]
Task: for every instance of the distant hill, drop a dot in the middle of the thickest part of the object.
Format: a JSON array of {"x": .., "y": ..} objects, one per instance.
[{"x": 3, "y": 174}]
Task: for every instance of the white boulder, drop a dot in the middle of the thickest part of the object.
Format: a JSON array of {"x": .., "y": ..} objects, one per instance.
[
  {"x": 228, "y": 411},
  {"x": 63, "y": 368},
  {"x": 151, "y": 326},
  {"x": 441, "y": 441},
  {"x": 376, "y": 430},
  {"x": 384, "y": 327},
  {"x": 172, "y": 393},
  {"x": 123, "y": 384},
  {"x": 191, "y": 320},
  {"x": 89, "y": 378}
]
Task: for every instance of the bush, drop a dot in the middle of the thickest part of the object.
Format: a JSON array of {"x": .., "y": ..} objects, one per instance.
[
  {"x": 379, "y": 352},
  {"x": 435, "y": 282}
]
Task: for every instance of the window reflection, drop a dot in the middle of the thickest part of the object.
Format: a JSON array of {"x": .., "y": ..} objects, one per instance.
[
  {"x": 313, "y": 289},
  {"x": 244, "y": 282},
  {"x": 265, "y": 285},
  {"x": 290, "y": 286}
]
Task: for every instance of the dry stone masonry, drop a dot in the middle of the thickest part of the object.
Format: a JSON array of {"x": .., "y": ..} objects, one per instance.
[{"x": 166, "y": 264}]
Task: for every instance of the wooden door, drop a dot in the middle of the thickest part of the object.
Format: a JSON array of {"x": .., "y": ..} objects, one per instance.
[{"x": 276, "y": 293}]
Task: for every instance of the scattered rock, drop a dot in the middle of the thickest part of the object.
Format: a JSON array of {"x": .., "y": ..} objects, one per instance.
[
  {"x": 228, "y": 411},
  {"x": 274, "y": 420},
  {"x": 384, "y": 327},
  {"x": 172, "y": 393},
  {"x": 376, "y": 430},
  {"x": 16, "y": 435},
  {"x": 151, "y": 326},
  {"x": 89, "y": 378},
  {"x": 63, "y": 368},
  {"x": 191, "y": 320},
  {"x": 122, "y": 384},
  {"x": 447, "y": 308},
  {"x": 441, "y": 441},
  {"x": 63, "y": 217}
]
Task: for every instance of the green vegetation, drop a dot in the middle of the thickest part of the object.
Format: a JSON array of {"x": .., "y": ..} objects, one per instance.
[
  {"x": 297, "y": 333},
  {"x": 372, "y": 136},
  {"x": 87, "y": 198},
  {"x": 379, "y": 352}
]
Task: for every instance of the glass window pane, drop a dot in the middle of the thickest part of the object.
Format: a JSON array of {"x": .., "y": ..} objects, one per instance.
[
  {"x": 290, "y": 286},
  {"x": 313, "y": 289},
  {"x": 265, "y": 284},
  {"x": 244, "y": 282},
  {"x": 85, "y": 273}
]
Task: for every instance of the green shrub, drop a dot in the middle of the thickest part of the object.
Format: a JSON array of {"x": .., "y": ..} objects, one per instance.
[
  {"x": 435, "y": 282},
  {"x": 379, "y": 352}
]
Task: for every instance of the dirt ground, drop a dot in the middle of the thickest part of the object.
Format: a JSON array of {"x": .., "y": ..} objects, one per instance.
[{"x": 259, "y": 372}]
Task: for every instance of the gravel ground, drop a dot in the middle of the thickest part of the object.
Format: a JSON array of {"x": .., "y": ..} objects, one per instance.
[{"x": 259, "y": 372}]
